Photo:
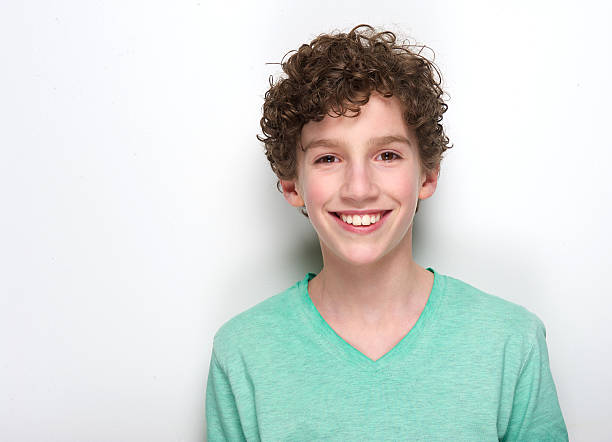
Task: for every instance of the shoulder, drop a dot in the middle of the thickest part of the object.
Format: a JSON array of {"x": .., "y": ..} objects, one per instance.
[
  {"x": 252, "y": 328},
  {"x": 474, "y": 309}
]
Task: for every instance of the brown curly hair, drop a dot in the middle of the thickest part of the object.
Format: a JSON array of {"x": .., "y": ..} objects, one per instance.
[{"x": 335, "y": 74}]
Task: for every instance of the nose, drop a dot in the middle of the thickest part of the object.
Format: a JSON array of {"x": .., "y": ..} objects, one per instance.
[{"x": 359, "y": 183}]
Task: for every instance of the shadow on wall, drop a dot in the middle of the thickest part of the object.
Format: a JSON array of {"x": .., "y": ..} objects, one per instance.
[
  {"x": 306, "y": 253},
  {"x": 422, "y": 230}
]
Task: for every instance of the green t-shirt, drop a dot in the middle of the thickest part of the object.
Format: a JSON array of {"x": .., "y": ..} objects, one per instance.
[{"x": 473, "y": 368}]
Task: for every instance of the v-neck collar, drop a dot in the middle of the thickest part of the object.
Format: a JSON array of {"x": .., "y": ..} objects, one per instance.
[{"x": 337, "y": 345}]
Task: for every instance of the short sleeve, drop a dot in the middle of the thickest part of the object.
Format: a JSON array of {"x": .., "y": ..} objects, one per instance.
[
  {"x": 222, "y": 419},
  {"x": 536, "y": 414}
]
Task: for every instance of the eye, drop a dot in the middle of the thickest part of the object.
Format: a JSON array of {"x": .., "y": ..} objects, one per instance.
[
  {"x": 327, "y": 159},
  {"x": 388, "y": 156}
]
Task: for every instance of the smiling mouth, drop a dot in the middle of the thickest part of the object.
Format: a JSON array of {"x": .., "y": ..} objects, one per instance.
[{"x": 365, "y": 219}]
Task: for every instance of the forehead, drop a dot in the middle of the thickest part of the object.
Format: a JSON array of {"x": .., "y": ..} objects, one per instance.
[{"x": 380, "y": 117}]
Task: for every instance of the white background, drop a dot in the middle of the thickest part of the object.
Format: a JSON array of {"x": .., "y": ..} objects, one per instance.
[{"x": 138, "y": 212}]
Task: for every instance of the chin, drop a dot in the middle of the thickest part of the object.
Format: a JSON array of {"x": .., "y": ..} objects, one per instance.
[{"x": 360, "y": 256}]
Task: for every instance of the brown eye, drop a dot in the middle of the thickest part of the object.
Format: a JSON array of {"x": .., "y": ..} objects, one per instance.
[
  {"x": 388, "y": 156},
  {"x": 326, "y": 159}
]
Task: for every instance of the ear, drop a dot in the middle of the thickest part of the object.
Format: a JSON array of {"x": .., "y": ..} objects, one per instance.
[
  {"x": 291, "y": 193},
  {"x": 429, "y": 182}
]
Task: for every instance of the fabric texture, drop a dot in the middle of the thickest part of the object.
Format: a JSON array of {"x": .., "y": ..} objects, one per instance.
[{"x": 473, "y": 368}]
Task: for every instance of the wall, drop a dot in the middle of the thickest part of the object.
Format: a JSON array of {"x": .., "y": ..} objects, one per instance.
[{"x": 139, "y": 213}]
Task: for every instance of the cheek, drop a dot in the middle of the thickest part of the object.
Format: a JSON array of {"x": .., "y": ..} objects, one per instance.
[
  {"x": 403, "y": 186},
  {"x": 316, "y": 192}
]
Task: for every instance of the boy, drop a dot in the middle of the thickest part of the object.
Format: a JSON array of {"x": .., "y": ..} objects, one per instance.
[{"x": 374, "y": 347}]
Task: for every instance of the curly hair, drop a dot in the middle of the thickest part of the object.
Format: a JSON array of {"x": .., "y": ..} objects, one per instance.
[{"x": 336, "y": 74}]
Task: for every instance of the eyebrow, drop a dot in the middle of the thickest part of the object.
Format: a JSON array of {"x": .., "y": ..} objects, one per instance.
[
  {"x": 376, "y": 141},
  {"x": 388, "y": 139}
]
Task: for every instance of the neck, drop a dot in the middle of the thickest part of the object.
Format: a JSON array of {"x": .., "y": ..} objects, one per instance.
[{"x": 375, "y": 294}]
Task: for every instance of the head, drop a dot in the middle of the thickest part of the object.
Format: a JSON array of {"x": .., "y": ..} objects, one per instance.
[{"x": 335, "y": 75}]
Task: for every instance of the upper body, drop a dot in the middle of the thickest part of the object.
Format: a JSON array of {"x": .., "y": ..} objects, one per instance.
[
  {"x": 354, "y": 135},
  {"x": 473, "y": 368}
]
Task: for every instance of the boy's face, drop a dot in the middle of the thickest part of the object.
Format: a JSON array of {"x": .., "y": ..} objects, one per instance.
[{"x": 364, "y": 167}]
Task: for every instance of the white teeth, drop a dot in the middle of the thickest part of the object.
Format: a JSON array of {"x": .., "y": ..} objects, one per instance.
[{"x": 360, "y": 220}]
